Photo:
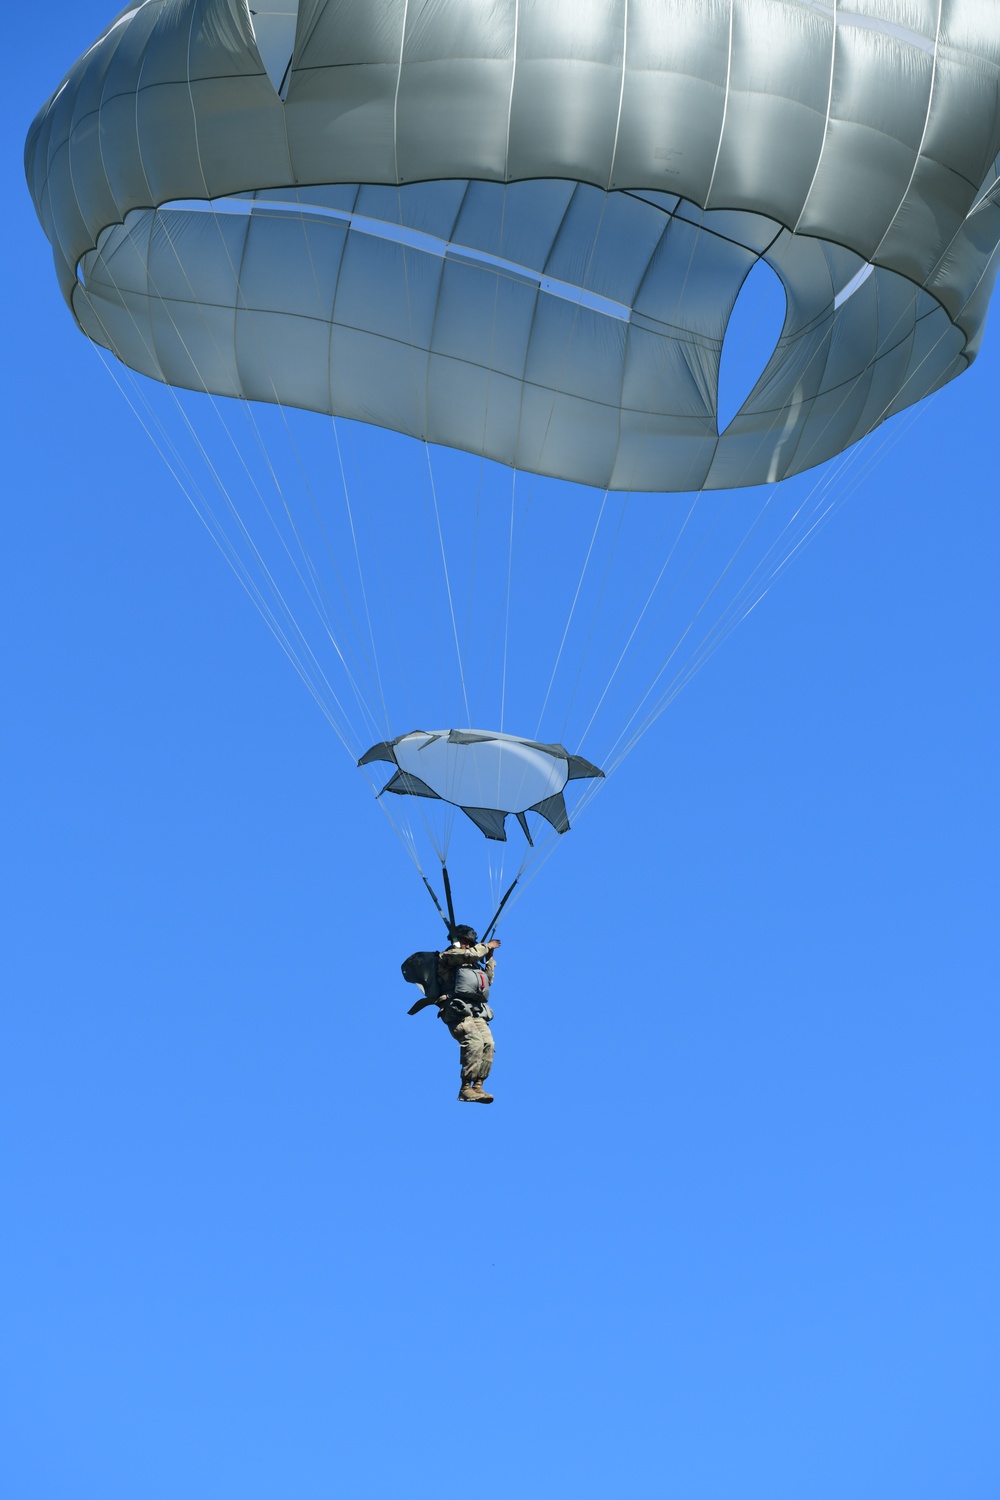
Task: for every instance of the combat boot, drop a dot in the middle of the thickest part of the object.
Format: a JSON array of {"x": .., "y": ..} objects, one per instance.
[{"x": 474, "y": 1093}]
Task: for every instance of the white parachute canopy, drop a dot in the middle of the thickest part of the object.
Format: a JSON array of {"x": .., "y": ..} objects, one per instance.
[
  {"x": 440, "y": 295},
  {"x": 520, "y": 230}
]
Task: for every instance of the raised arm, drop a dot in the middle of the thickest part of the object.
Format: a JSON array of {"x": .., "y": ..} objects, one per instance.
[{"x": 456, "y": 958}]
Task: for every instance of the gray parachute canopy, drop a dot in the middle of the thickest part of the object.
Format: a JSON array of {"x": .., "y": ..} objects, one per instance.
[
  {"x": 518, "y": 227},
  {"x": 488, "y": 775}
]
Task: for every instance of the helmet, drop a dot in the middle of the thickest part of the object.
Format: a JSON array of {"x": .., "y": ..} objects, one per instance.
[{"x": 464, "y": 935}]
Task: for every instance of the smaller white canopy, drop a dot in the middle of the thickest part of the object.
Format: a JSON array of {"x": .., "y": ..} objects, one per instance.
[{"x": 485, "y": 773}]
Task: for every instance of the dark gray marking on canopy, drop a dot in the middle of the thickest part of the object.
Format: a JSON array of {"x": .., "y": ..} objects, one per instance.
[
  {"x": 405, "y": 783},
  {"x": 489, "y": 821},
  {"x": 554, "y": 809}
]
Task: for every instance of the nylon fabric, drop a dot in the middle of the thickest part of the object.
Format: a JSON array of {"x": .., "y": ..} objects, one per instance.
[{"x": 669, "y": 143}]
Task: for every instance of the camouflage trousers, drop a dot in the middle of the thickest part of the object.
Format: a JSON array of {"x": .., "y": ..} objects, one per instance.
[{"x": 476, "y": 1042}]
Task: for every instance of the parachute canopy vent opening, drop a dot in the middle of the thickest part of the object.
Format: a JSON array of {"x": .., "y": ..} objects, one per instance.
[
  {"x": 752, "y": 332},
  {"x": 274, "y": 23}
]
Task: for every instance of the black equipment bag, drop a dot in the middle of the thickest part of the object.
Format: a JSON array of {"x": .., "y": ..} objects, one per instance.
[{"x": 422, "y": 969}]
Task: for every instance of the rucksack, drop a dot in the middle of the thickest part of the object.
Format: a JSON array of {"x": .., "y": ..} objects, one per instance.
[
  {"x": 422, "y": 969},
  {"x": 465, "y": 983}
]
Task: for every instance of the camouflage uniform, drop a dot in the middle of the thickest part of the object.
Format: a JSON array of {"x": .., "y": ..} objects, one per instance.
[{"x": 467, "y": 1019}]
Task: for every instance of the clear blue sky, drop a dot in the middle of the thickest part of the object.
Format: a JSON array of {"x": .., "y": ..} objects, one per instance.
[{"x": 731, "y": 1228}]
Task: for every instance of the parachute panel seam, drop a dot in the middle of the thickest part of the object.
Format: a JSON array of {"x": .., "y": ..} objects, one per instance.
[
  {"x": 923, "y": 135},
  {"x": 826, "y": 122},
  {"x": 725, "y": 101}
]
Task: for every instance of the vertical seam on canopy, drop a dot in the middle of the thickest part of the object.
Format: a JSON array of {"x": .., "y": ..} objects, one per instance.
[
  {"x": 152, "y": 216},
  {"x": 150, "y": 342},
  {"x": 138, "y": 137},
  {"x": 150, "y": 287},
  {"x": 670, "y": 219},
  {"x": 810, "y": 404},
  {"x": 72, "y": 184},
  {"x": 951, "y": 322},
  {"x": 530, "y": 335},
  {"x": 725, "y": 104},
  {"x": 559, "y": 389},
  {"x": 286, "y": 80},
  {"x": 874, "y": 371},
  {"x": 849, "y": 386},
  {"x": 510, "y": 96},
  {"x": 333, "y": 308},
  {"x": 313, "y": 25},
  {"x": 621, "y": 95},
  {"x": 911, "y": 368},
  {"x": 194, "y": 112},
  {"x": 395, "y": 97},
  {"x": 923, "y": 134},
  {"x": 942, "y": 258},
  {"x": 862, "y": 383},
  {"x": 434, "y": 317},
  {"x": 96, "y": 112},
  {"x": 238, "y": 297},
  {"x": 826, "y": 120}
]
